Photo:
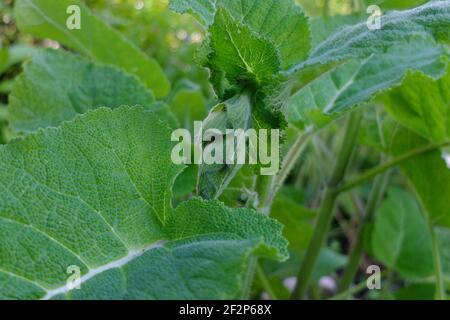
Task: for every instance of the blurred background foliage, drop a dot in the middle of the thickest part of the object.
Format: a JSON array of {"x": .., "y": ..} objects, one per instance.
[
  {"x": 173, "y": 39},
  {"x": 169, "y": 37}
]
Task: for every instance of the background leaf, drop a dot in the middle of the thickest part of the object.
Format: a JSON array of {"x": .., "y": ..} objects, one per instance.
[
  {"x": 187, "y": 103},
  {"x": 422, "y": 104},
  {"x": 427, "y": 173},
  {"x": 56, "y": 86},
  {"x": 95, "y": 39},
  {"x": 400, "y": 236}
]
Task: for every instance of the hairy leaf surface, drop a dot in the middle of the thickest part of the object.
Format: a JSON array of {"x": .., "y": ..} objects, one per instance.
[
  {"x": 378, "y": 57},
  {"x": 357, "y": 81},
  {"x": 429, "y": 21},
  {"x": 56, "y": 86},
  {"x": 95, "y": 193},
  {"x": 280, "y": 21},
  {"x": 239, "y": 53}
]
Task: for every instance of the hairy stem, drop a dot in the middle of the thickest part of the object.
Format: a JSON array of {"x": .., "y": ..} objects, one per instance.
[
  {"x": 350, "y": 291},
  {"x": 440, "y": 284},
  {"x": 288, "y": 163},
  {"x": 370, "y": 174},
  {"x": 327, "y": 207},
  {"x": 248, "y": 278},
  {"x": 262, "y": 187},
  {"x": 357, "y": 288},
  {"x": 357, "y": 251}
]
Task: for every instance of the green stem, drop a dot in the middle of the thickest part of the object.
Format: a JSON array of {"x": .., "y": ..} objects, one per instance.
[
  {"x": 358, "y": 247},
  {"x": 440, "y": 283},
  {"x": 288, "y": 163},
  {"x": 248, "y": 278},
  {"x": 327, "y": 207},
  {"x": 353, "y": 290},
  {"x": 326, "y": 7},
  {"x": 350, "y": 291},
  {"x": 265, "y": 282},
  {"x": 372, "y": 173},
  {"x": 262, "y": 187}
]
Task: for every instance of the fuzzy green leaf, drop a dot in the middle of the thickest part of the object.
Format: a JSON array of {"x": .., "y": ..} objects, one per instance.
[
  {"x": 358, "y": 81},
  {"x": 323, "y": 27},
  {"x": 197, "y": 268},
  {"x": 371, "y": 54},
  {"x": 93, "y": 193},
  {"x": 280, "y": 21},
  {"x": 56, "y": 86},
  {"x": 198, "y": 217},
  {"x": 429, "y": 21},
  {"x": 239, "y": 53}
]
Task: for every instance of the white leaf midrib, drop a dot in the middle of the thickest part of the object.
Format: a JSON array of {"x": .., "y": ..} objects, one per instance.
[
  {"x": 109, "y": 266},
  {"x": 347, "y": 85}
]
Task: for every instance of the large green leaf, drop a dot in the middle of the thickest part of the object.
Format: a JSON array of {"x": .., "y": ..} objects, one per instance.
[
  {"x": 357, "y": 81},
  {"x": 422, "y": 104},
  {"x": 400, "y": 237},
  {"x": 96, "y": 193},
  {"x": 280, "y": 21},
  {"x": 323, "y": 27},
  {"x": 239, "y": 53},
  {"x": 371, "y": 50},
  {"x": 428, "y": 173},
  {"x": 430, "y": 178},
  {"x": 429, "y": 21},
  {"x": 199, "y": 217},
  {"x": 56, "y": 86},
  {"x": 197, "y": 268},
  {"x": 95, "y": 39}
]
